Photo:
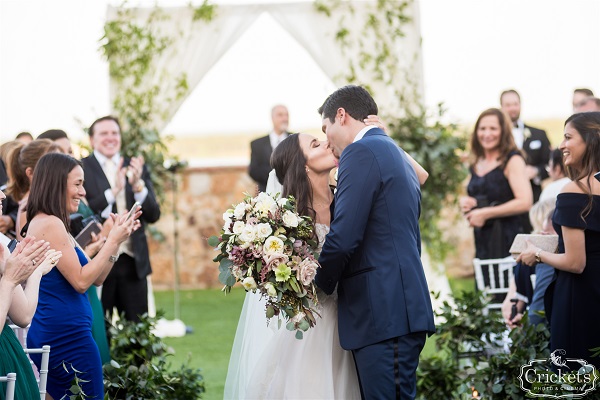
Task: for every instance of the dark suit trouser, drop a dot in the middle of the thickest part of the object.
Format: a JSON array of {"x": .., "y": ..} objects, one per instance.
[
  {"x": 387, "y": 370},
  {"x": 124, "y": 290}
]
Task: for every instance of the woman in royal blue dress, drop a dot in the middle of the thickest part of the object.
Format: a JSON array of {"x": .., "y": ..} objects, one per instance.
[
  {"x": 573, "y": 298},
  {"x": 63, "y": 318}
]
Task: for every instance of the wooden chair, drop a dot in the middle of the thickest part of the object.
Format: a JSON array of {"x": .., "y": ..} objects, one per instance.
[
  {"x": 499, "y": 273},
  {"x": 10, "y": 380}
]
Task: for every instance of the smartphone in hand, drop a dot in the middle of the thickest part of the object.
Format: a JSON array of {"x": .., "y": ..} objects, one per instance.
[{"x": 134, "y": 209}]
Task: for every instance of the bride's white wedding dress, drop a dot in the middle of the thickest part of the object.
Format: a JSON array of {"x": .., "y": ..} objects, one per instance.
[{"x": 270, "y": 363}]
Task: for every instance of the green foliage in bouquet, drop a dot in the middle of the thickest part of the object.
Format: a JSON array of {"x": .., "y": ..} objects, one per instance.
[
  {"x": 437, "y": 146},
  {"x": 139, "y": 369}
]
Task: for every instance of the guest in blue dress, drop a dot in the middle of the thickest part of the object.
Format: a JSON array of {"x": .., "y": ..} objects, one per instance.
[
  {"x": 63, "y": 318},
  {"x": 573, "y": 298}
]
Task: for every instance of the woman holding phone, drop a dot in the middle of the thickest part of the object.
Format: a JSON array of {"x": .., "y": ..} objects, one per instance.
[{"x": 63, "y": 318}]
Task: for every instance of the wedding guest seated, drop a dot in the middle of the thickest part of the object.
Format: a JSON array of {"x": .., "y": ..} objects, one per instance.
[
  {"x": 556, "y": 171},
  {"x": 521, "y": 287}
]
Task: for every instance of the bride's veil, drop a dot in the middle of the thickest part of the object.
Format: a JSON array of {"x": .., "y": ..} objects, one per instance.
[{"x": 273, "y": 184}]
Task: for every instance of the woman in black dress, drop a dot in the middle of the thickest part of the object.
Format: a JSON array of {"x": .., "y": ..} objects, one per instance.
[
  {"x": 573, "y": 298},
  {"x": 499, "y": 191}
]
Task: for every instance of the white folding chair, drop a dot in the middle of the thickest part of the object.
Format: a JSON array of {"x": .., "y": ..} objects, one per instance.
[
  {"x": 10, "y": 380},
  {"x": 43, "y": 371},
  {"x": 500, "y": 273},
  {"x": 20, "y": 333}
]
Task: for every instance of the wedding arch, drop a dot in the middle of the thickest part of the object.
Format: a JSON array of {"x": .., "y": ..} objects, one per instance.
[{"x": 375, "y": 43}]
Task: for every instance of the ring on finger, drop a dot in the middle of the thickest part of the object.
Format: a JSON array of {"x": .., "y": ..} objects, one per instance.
[
  {"x": 52, "y": 261},
  {"x": 33, "y": 262}
]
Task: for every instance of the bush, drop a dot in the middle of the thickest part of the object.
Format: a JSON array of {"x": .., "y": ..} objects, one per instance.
[{"x": 139, "y": 369}]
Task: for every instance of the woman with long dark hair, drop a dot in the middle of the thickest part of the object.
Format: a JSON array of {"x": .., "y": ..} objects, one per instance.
[
  {"x": 316, "y": 367},
  {"x": 63, "y": 318},
  {"x": 575, "y": 292}
]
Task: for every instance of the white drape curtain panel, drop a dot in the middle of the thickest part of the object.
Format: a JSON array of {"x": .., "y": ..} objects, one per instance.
[{"x": 198, "y": 45}]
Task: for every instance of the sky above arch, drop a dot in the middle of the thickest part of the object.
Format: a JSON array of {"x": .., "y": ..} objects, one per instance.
[{"x": 52, "y": 75}]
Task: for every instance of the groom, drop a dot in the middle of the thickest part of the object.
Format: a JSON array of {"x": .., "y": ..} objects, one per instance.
[{"x": 372, "y": 252}]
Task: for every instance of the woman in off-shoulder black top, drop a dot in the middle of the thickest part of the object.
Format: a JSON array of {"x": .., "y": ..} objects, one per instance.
[{"x": 573, "y": 298}]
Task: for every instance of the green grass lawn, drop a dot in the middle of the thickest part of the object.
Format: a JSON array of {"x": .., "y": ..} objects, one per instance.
[{"x": 214, "y": 316}]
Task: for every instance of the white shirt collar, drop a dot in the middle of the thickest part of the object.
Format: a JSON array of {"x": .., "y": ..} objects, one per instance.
[
  {"x": 275, "y": 139},
  {"x": 102, "y": 158},
  {"x": 362, "y": 132}
]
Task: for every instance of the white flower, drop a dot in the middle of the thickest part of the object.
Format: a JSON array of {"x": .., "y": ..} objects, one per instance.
[
  {"x": 282, "y": 202},
  {"x": 263, "y": 230},
  {"x": 273, "y": 246},
  {"x": 240, "y": 211},
  {"x": 248, "y": 234},
  {"x": 265, "y": 204},
  {"x": 238, "y": 227},
  {"x": 290, "y": 219},
  {"x": 249, "y": 283},
  {"x": 298, "y": 317},
  {"x": 227, "y": 215},
  {"x": 226, "y": 226},
  {"x": 271, "y": 291},
  {"x": 306, "y": 271}
]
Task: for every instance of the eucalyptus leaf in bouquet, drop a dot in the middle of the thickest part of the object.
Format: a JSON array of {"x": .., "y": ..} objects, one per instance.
[{"x": 267, "y": 247}]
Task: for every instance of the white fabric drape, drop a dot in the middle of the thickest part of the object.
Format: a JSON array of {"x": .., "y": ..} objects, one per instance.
[{"x": 198, "y": 45}]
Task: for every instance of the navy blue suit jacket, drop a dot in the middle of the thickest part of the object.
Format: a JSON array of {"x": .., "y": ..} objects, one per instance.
[{"x": 372, "y": 251}]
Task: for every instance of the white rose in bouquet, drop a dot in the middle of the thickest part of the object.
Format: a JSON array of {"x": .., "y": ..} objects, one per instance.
[
  {"x": 263, "y": 230},
  {"x": 240, "y": 211},
  {"x": 290, "y": 219},
  {"x": 248, "y": 235},
  {"x": 238, "y": 227}
]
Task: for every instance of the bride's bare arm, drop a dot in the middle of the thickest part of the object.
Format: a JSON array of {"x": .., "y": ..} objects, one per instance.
[{"x": 422, "y": 174}]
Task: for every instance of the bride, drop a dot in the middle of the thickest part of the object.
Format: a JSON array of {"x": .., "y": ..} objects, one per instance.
[{"x": 270, "y": 363}]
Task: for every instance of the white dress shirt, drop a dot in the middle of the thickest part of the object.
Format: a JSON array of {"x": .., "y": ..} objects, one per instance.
[
  {"x": 275, "y": 139},
  {"x": 362, "y": 132}
]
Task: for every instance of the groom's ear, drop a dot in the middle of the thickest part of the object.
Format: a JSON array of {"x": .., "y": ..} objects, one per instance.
[{"x": 341, "y": 115}]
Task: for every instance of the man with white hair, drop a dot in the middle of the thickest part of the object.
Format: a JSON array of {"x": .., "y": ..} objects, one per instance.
[{"x": 261, "y": 148}]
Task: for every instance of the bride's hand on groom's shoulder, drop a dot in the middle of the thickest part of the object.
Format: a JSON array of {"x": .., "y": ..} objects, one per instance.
[{"x": 375, "y": 120}]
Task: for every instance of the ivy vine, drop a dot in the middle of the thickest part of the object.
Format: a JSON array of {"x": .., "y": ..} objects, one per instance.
[
  {"x": 132, "y": 48},
  {"x": 436, "y": 145}
]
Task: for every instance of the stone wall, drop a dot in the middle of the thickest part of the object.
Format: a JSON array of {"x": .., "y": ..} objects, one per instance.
[{"x": 203, "y": 195}]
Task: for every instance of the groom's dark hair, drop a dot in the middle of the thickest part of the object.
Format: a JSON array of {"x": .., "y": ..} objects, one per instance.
[{"x": 354, "y": 99}]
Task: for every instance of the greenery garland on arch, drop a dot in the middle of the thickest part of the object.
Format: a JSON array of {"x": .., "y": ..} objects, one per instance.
[
  {"x": 131, "y": 49},
  {"x": 423, "y": 133}
]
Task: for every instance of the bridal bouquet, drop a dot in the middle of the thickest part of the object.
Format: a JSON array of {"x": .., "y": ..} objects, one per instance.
[{"x": 267, "y": 247}]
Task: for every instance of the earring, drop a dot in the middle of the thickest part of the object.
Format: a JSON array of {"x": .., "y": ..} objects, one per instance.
[{"x": 307, "y": 170}]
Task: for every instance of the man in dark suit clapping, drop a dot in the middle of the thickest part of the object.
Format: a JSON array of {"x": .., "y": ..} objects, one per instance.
[
  {"x": 113, "y": 183},
  {"x": 261, "y": 148}
]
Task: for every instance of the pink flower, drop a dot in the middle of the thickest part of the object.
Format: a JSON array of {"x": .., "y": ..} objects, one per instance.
[
  {"x": 306, "y": 271},
  {"x": 271, "y": 261}
]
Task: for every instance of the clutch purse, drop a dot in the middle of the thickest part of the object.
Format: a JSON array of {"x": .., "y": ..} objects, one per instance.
[{"x": 547, "y": 243}]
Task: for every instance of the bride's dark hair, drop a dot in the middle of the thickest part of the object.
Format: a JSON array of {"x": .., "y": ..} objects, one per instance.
[{"x": 290, "y": 167}]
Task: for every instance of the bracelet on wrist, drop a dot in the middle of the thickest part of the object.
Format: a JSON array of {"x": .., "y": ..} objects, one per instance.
[{"x": 538, "y": 254}]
